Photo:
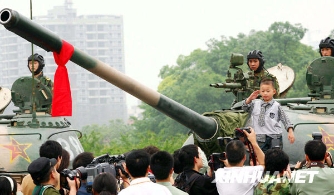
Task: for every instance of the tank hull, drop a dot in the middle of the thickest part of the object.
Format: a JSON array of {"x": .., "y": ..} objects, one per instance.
[{"x": 20, "y": 145}]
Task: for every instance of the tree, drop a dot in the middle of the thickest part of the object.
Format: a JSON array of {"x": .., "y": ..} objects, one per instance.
[{"x": 96, "y": 137}]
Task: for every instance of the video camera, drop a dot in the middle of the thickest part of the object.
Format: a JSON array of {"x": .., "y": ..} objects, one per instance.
[
  {"x": 317, "y": 136},
  {"x": 216, "y": 159},
  {"x": 105, "y": 163}
]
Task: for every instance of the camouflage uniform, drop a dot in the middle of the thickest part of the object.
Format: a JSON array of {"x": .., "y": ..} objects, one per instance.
[
  {"x": 46, "y": 81},
  {"x": 273, "y": 188},
  {"x": 49, "y": 84}
]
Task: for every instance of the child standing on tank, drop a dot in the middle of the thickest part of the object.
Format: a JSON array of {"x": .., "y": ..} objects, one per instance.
[{"x": 266, "y": 115}]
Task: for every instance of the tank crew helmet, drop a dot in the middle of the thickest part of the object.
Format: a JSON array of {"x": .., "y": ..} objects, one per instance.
[
  {"x": 327, "y": 43},
  {"x": 256, "y": 54},
  {"x": 38, "y": 58}
]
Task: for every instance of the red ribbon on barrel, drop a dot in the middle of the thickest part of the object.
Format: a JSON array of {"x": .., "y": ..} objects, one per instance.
[{"x": 62, "y": 100}]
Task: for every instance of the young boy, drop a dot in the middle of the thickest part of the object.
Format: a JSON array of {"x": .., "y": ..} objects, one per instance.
[{"x": 266, "y": 114}]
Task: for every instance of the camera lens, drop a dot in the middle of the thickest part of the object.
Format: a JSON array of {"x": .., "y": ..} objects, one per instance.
[{"x": 81, "y": 172}]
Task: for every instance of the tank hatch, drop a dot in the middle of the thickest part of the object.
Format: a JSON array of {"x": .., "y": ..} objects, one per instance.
[
  {"x": 320, "y": 79},
  {"x": 28, "y": 92}
]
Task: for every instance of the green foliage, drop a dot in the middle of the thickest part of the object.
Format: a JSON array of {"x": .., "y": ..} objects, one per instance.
[{"x": 93, "y": 140}]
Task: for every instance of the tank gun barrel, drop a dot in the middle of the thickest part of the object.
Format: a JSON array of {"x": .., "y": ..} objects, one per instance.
[
  {"x": 7, "y": 116},
  {"x": 204, "y": 127},
  {"x": 226, "y": 85},
  {"x": 302, "y": 100}
]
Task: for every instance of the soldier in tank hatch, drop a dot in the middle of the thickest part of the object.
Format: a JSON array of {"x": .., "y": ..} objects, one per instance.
[
  {"x": 255, "y": 62},
  {"x": 326, "y": 47},
  {"x": 36, "y": 65}
]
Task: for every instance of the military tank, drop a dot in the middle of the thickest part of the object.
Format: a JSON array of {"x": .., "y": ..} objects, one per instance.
[{"x": 313, "y": 113}]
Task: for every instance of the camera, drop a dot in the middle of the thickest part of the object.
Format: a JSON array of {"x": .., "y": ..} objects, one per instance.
[
  {"x": 118, "y": 161},
  {"x": 317, "y": 136},
  {"x": 79, "y": 172},
  {"x": 240, "y": 133},
  {"x": 275, "y": 143},
  {"x": 104, "y": 163},
  {"x": 215, "y": 159}
]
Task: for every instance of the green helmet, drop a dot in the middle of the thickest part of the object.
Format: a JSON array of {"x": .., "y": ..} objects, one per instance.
[
  {"x": 40, "y": 60},
  {"x": 256, "y": 54},
  {"x": 327, "y": 43}
]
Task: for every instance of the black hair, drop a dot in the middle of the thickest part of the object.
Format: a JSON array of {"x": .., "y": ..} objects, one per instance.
[
  {"x": 315, "y": 150},
  {"x": 6, "y": 185},
  {"x": 65, "y": 161},
  {"x": 186, "y": 156},
  {"x": 235, "y": 152},
  {"x": 177, "y": 164},
  {"x": 137, "y": 162},
  {"x": 83, "y": 159},
  {"x": 276, "y": 160},
  {"x": 50, "y": 149},
  {"x": 161, "y": 164},
  {"x": 105, "y": 184},
  {"x": 151, "y": 149},
  {"x": 267, "y": 81}
]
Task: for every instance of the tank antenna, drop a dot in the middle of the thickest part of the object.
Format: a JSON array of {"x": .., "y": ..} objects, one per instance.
[{"x": 34, "y": 122}]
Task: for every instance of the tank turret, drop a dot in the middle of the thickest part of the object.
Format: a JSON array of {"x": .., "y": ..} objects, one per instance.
[{"x": 207, "y": 127}]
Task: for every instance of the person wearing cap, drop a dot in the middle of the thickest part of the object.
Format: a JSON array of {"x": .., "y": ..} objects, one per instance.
[
  {"x": 326, "y": 47},
  {"x": 46, "y": 178},
  {"x": 49, "y": 149}
]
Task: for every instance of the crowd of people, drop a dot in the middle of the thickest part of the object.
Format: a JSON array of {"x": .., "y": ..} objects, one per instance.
[
  {"x": 186, "y": 170},
  {"x": 270, "y": 175}
]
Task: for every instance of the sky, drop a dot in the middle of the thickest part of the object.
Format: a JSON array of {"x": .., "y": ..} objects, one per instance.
[{"x": 156, "y": 32}]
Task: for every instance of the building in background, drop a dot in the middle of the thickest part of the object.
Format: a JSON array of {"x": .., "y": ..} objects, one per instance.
[{"x": 95, "y": 101}]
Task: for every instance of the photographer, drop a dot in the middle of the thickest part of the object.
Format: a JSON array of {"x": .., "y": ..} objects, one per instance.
[
  {"x": 316, "y": 178},
  {"x": 137, "y": 164},
  {"x": 46, "y": 178},
  {"x": 195, "y": 182},
  {"x": 105, "y": 184},
  {"x": 235, "y": 178},
  {"x": 82, "y": 160},
  {"x": 162, "y": 167},
  {"x": 49, "y": 149}
]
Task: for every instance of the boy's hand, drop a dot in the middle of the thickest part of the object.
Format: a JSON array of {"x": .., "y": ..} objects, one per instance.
[
  {"x": 252, "y": 96},
  {"x": 291, "y": 136}
]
